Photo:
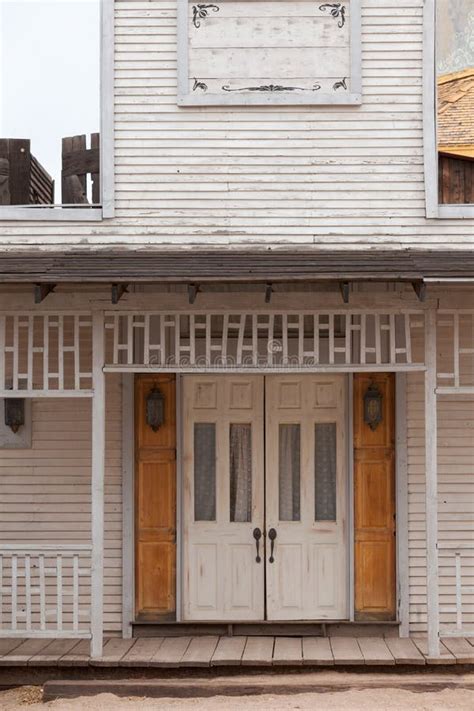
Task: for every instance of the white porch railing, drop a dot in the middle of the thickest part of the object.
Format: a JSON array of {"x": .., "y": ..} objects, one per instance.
[
  {"x": 455, "y": 561},
  {"x": 45, "y": 591}
]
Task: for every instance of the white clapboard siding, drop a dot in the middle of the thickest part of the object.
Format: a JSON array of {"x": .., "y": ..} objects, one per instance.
[
  {"x": 45, "y": 491},
  {"x": 455, "y": 500},
  {"x": 217, "y": 176}
]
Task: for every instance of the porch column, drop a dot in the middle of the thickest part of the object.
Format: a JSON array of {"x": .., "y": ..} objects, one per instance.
[
  {"x": 98, "y": 470},
  {"x": 431, "y": 483}
]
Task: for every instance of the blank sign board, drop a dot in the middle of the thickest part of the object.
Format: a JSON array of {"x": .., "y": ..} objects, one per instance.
[{"x": 259, "y": 52}]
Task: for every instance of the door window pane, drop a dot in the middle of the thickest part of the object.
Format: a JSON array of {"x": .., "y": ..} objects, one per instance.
[
  {"x": 204, "y": 471},
  {"x": 325, "y": 471},
  {"x": 289, "y": 472},
  {"x": 240, "y": 467}
]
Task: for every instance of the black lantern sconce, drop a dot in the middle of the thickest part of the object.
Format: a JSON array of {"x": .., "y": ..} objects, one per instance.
[
  {"x": 373, "y": 407},
  {"x": 155, "y": 409},
  {"x": 14, "y": 413}
]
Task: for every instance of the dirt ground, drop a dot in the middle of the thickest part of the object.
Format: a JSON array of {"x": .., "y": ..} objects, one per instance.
[{"x": 29, "y": 699}]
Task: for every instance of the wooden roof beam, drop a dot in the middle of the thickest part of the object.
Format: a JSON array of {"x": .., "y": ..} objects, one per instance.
[
  {"x": 118, "y": 290},
  {"x": 345, "y": 288},
  {"x": 42, "y": 291},
  {"x": 420, "y": 290}
]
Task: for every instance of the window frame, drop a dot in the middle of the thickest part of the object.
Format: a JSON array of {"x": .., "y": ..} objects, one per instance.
[
  {"x": 106, "y": 210},
  {"x": 430, "y": 102},
  {"x": 352, "y": 98}
]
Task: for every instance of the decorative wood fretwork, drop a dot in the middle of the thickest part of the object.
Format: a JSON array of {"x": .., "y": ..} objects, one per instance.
[
  {"x": 44, "y": 354},
  {"x": 455, "y": 367},
  {"x": 262, "y": 341}
]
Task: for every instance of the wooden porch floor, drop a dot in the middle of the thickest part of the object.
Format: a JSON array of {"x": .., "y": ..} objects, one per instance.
[{"x": 214, "y": 651}]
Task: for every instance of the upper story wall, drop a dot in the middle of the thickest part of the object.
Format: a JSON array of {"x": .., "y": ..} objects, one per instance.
[{"x": 303, "y": 175}]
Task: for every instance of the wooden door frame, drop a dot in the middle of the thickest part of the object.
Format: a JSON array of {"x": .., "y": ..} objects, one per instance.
[
  {"x": 128, "y": 502},
  {"x": 128, "y": 527}
]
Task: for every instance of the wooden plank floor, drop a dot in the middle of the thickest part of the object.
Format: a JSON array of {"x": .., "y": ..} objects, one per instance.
[{"x": 207, "y": 651}]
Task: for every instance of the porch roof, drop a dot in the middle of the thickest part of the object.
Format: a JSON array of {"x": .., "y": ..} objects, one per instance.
[{"x": 230, "y": 265}]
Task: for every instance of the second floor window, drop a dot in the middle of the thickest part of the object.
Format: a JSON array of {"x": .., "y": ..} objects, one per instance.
[
  {"x": 455, "y": 101},
  {"x": 50, "y": 104}
]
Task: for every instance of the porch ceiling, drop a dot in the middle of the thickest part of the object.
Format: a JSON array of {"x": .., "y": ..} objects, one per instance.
[{"x": 148, "y": 266}]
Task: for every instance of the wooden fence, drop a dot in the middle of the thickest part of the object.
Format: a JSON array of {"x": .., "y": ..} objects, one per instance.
[
  {"x": 78, "y": 162},
  {"x": 23, "y": 180}
]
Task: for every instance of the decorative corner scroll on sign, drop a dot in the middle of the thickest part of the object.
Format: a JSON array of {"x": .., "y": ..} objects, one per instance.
[
  {"x": 340, "y": 84},
  {"x": 201, "y": 11},
  {"x": 199, "y": 85},
  {"x": 337, "y": 10}
]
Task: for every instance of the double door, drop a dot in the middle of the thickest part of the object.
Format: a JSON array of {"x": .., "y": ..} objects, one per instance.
[{"x": 265, "y": 523}]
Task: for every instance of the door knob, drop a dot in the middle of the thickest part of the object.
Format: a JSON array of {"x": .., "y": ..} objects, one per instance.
[
  {"x": 257, "y": 534},
  {"x": 272, "y": 534}
]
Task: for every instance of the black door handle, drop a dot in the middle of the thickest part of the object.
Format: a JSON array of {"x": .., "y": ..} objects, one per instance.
[
  {"x": 257, "y": 534},
  {"x": 272, "y": 534}
]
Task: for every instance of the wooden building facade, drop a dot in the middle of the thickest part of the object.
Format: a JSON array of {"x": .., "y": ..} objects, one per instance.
[{"x": 248, "y": 376}]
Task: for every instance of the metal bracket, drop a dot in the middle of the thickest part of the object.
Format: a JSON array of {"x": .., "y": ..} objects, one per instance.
[
  {"x": 193, "y": 291},
  {"x": 345, "y": 288},
  {"x": 118, "y": 290},
  {"x": 42, "y": 291},
  {"x": 420, "y": 290}
]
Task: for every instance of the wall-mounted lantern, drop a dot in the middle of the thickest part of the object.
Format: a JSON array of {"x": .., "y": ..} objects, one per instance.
[
  {"x": 14, "y": 413},
  {"x": 155, "y": 409},
  {"x": 373, "y": 406}
]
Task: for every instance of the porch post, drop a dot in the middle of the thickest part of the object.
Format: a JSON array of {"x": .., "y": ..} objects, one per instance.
[
  {"x": 431, "y": 482},
  {"x": 98, "y": 468}
]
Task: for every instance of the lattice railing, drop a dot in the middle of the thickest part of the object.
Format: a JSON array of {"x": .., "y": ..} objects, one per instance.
[
  {"x": 275, "y": 340},
  {"x": 45, "y": 590},
  {"x": 45, "y": 353},
  {"x": 457, "y": 564},
  {"x": 455, "y": 335}
]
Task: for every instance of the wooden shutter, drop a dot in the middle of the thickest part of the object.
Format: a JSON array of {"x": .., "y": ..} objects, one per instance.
[
  {"x": 155, "y": 504},
  {"x": 374, "y": 503}
]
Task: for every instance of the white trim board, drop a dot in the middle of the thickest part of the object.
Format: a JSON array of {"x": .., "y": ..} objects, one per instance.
[
  {"x": 289, "y": 98},
  {"x": 433, "y": 208},
  {"x": 87, "y": 213},
  {"x": 128, "y": 505},
  {"x": 401, "y": 478}
]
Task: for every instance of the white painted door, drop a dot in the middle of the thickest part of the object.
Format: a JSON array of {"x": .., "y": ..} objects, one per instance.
[
  {"x": 306, "y": 497},
  {"x": 223, "y": 497}
]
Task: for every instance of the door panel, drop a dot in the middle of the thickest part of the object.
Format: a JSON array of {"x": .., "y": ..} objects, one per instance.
[
  {"x": 155, "y": 504},
  {"x": 374, "y": 503},
  {"x": 306, "y": 497},
  {"x": 223, "y": 497}
]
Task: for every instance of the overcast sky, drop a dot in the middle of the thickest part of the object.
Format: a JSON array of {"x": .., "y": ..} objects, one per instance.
[{"x": 49, "y": 74}]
